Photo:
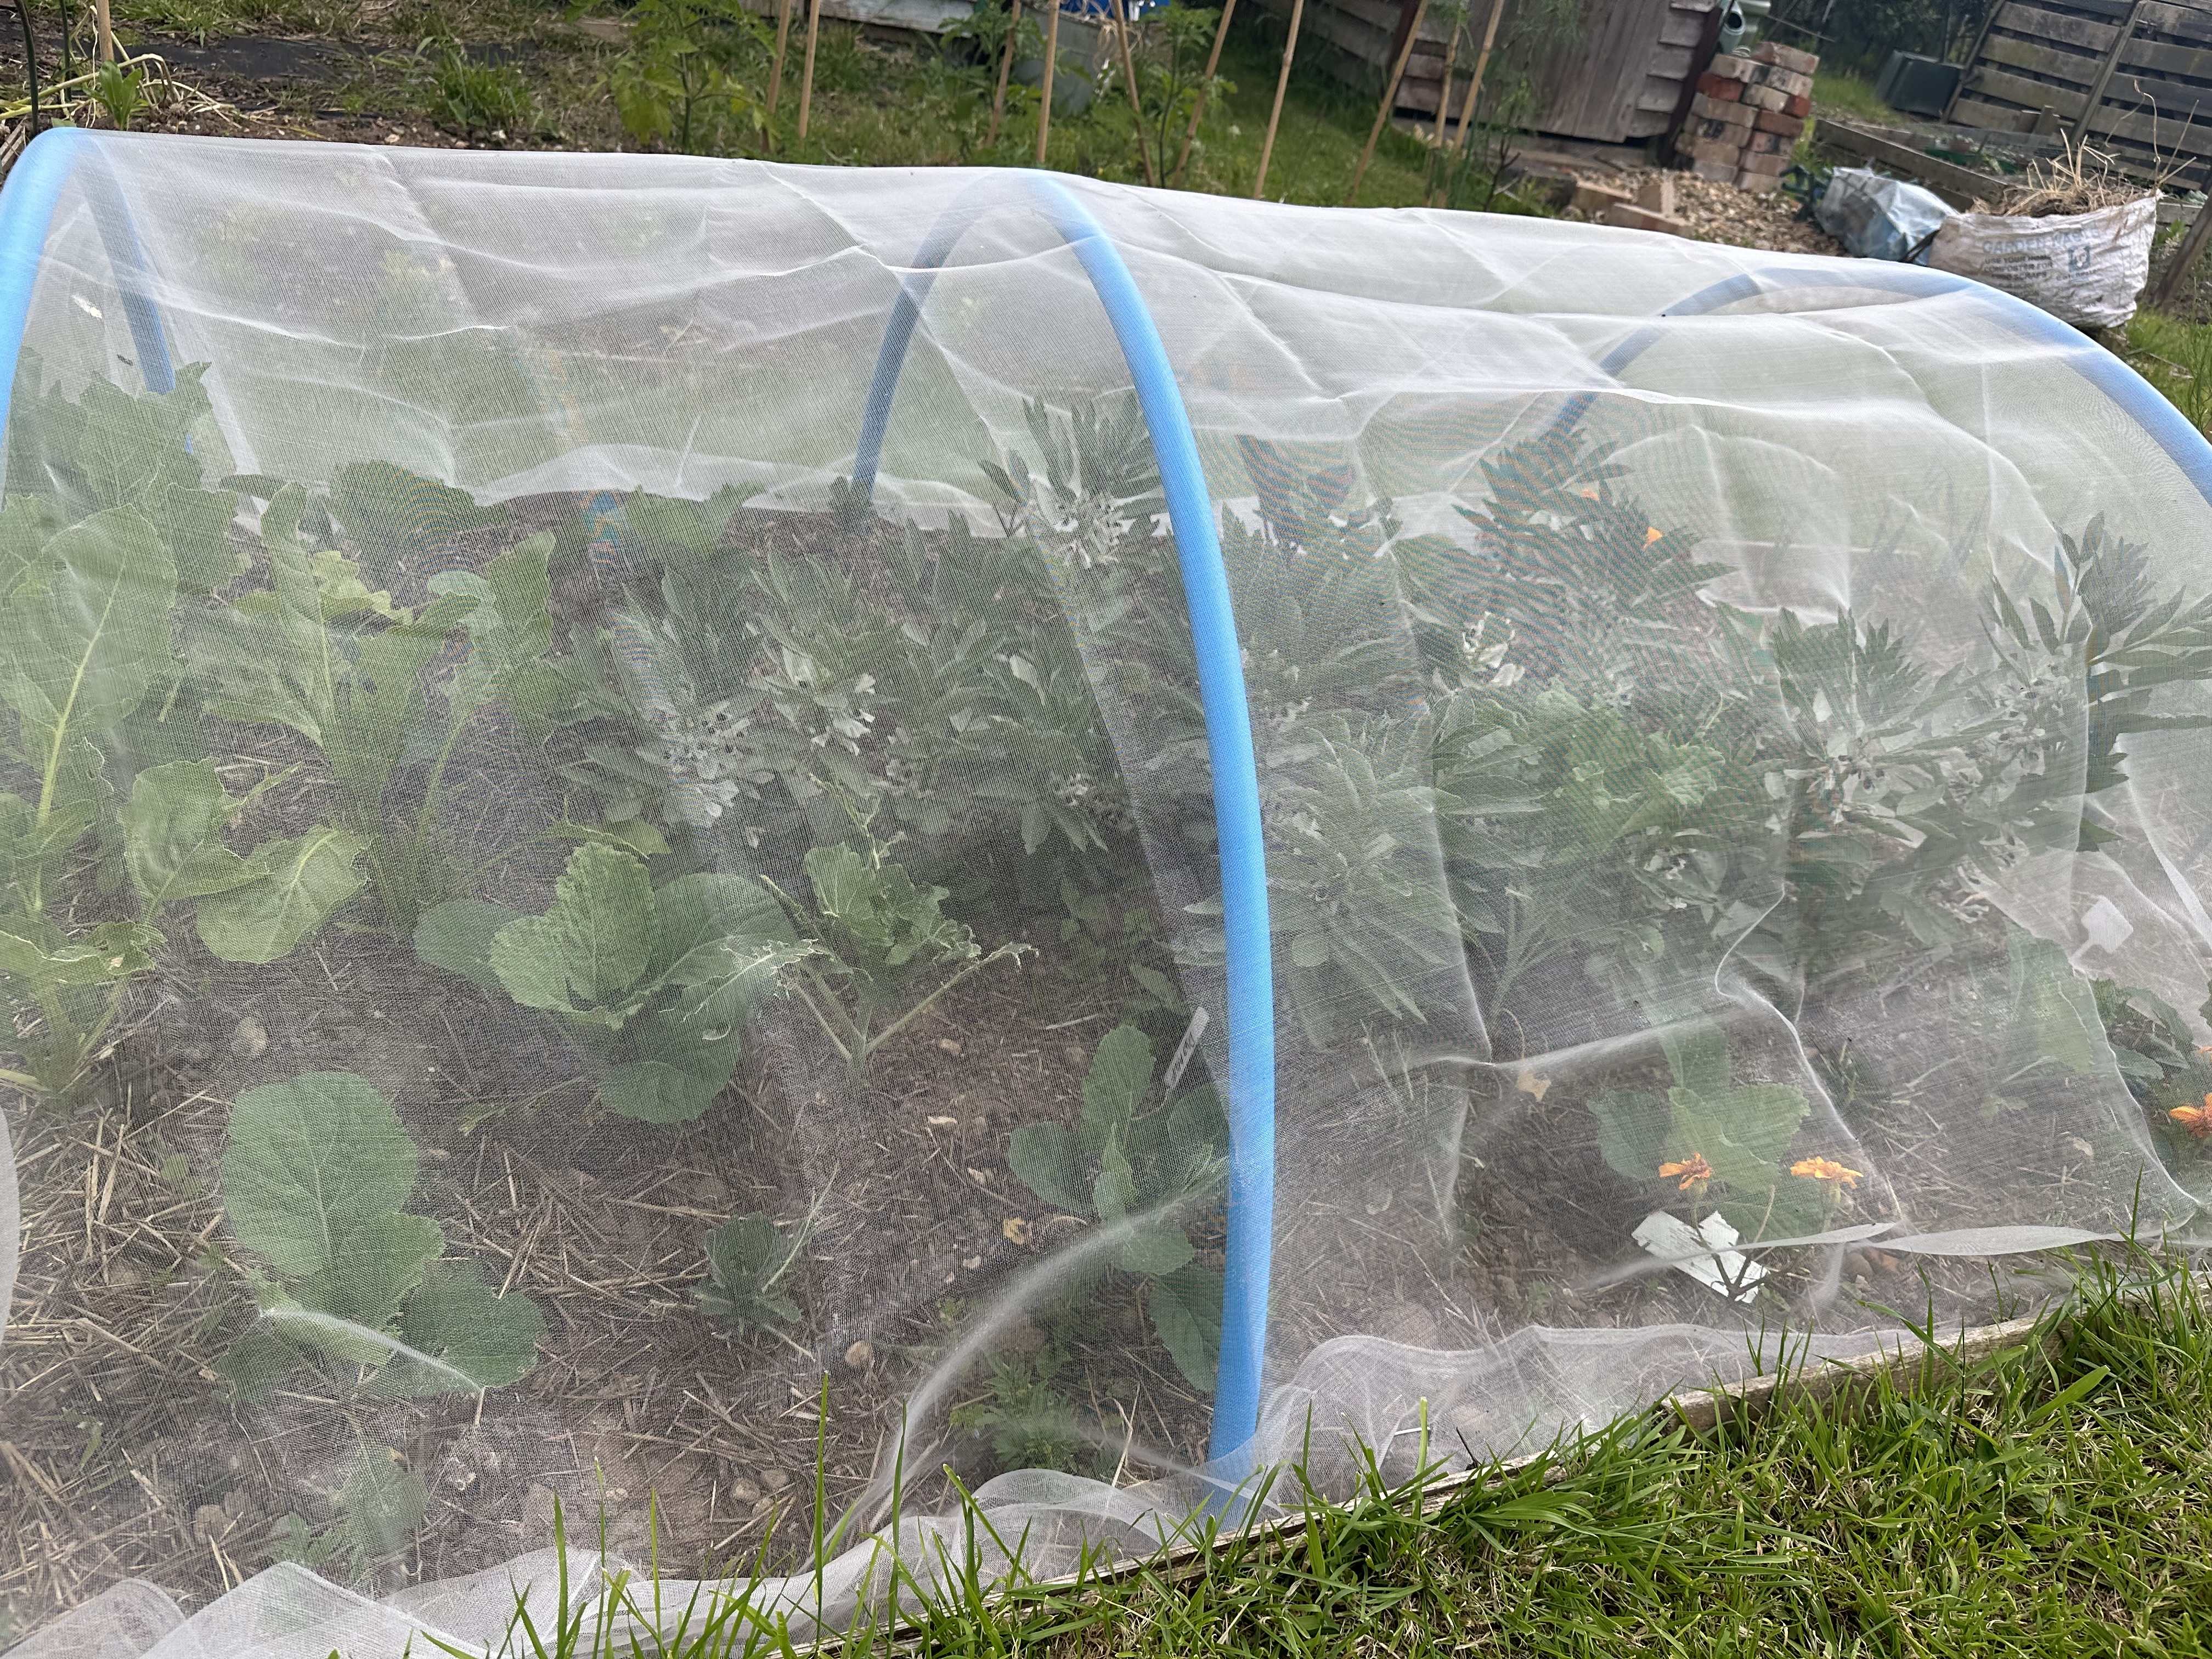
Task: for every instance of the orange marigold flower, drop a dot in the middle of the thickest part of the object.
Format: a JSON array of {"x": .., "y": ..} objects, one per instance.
[
  {"x": 1693, "y": 1170},
  {"x": 2197, "y": 1120},
  {"x": 1652, "y": 533},
  {"x": 1824, "y": 1169}
]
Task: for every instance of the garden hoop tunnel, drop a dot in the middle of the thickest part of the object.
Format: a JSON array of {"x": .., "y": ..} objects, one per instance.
[{"x": 58, "y": 158}]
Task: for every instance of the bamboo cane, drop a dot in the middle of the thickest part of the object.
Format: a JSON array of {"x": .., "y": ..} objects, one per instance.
[
  {"x": 1481, "y": 63},
  {"x": 1198, "y": 108},
  {"x": 1051, "y": 63},
  {"x": 806, "y": 76},
  {"x": 1005, "y": 69},
  {"x": 1136, "y": 108},
  {"x": 1443, "y": 95},
  {"x": 1389, "y": 98},
  {"x": 782, "y": 41},
  {"x": 103, "y": 30},
  {"x": 1282, "y": 85}
]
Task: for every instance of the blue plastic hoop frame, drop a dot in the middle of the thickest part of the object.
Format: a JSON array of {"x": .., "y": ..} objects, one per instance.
[
  {"x": 1251, "y": 980},
  {"x": 27, "y": 215},
  {"x": 2166, "y": 426}
]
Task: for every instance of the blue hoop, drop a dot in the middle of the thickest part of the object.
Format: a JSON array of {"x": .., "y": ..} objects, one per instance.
[{"x": 1242, "y": 853}]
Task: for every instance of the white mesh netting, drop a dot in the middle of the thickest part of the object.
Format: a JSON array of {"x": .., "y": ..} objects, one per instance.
[{"x": 567, "y": 952}]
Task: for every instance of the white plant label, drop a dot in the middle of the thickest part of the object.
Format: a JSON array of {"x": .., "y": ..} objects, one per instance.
[
  {"x": 1185, "y": 1048},
  {"x": 1706, "y": 1252}
]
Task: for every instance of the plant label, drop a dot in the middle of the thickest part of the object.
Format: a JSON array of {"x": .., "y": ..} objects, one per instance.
[
  {"x": 1185, "y": 1049},
  {"x": 1705, "y": 1252}
]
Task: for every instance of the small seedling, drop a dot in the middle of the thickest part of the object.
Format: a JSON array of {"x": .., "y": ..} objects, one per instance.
[
  {"x": 747, "y": 1261},
  {"x": 653, "y": 985},
  {"x": 1118, "y": 1165},
  {"x": 878, "y": 940}
]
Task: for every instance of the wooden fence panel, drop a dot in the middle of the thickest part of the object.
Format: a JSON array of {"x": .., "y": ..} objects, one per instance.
[{"x": 2146, "y": 66}]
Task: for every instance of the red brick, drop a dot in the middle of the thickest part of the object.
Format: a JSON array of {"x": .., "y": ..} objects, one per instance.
[
  {"x": 1777, "y": 163},
  {"x": 1765, "y": 97},
  {"x": 1716, "y": 149},
  {"x": 1778, "y": 120},
  {"x": 1800, "y": 108},
  {"x": 1767, "y": 143},
  {"x": 1731, "y": 68},
  {"x": 1713, "y": 109},
  {"x": 1720, "y": 87}
]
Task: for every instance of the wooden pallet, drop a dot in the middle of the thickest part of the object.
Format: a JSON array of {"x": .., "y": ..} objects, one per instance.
[{"x": 2130, "y": 77}]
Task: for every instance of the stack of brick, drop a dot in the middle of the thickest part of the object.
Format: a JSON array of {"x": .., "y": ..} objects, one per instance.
[{"x": 1747, "y": 115}]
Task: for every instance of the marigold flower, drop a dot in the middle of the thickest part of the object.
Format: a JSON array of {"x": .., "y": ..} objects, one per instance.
[
  {"x": 1824, "y": 1169},
  {"x": 1652, "y": 533},
  {"x": 2197, "y": 1120},
  {"x": 1693, "y": 1170}
]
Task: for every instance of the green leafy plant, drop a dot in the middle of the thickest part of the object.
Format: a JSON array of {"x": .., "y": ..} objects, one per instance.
[
  {"x": 1713, "y": 1140},
  {"x": 747, "y": 1261},
  {"x": 877, "y": 942},
  {"x": 475, "y": 97},
  {"x": 1140, "y": 1168},
  {"x": 318, "y": 651},
  {"x": 119, "y": 89},
  {"x": 375, "y": 1515},
  {"x": 1023, "y": 1415},
  {"x": 314, "y": 1183},
  {"x": 651, "y": 985},
  {"x": 685, "y": 78},
  {"x": 84, "y": 623}
]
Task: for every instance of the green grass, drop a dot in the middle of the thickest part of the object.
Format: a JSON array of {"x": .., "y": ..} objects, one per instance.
[
  {"x": 2054, "y": 1499},
  {"x": 1852, "y": 96},
  {"x": 2176, "y": 357}
]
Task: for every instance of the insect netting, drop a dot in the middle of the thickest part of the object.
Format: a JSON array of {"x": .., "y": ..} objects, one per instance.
[{"x": 734, "y": 850}]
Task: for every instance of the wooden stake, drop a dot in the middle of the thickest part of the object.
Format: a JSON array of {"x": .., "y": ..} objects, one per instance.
[
  {"x": 1198, "y": 108},
  {"x": 1389, "y": 98},
  {"x": 1136, "y": 108},
  {"x": 783, "y": 40},
  {"x": 1051, "y": 63},
  {"x": 1481, "y": 65},
  {"x": 1444, "y": 96},
  {"x": 1005, "y": 69},
  {"x": 103, "y": 31},
  {"x": 1275, "y": 112},
  {"x": 2185, "y": 257},
  {"x": 806, "y": 76}
]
